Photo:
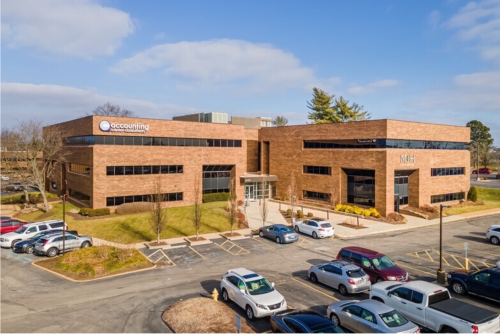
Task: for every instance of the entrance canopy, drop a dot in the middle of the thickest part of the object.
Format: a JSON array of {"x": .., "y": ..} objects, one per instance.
[{"x": 257, "y": 178}]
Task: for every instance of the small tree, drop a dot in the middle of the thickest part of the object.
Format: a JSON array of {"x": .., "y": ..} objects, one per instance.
[
  {"x": 292, "y": 194},
  {"x": 196, "y": 218},
  {"x": 334, "y": 197},
  {"x": 158, "y": 217},
  {"x": 232, "y": 202},
  {"x": 280, "y": 121},
  {"x": 264, "y": 207},
  {"x": 109, "y": 109}
]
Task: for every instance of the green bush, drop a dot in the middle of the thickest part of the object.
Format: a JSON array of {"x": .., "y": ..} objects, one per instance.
[
  {"x": 94, "y": 212},
  {"x": 472, "y": 194},
  {"x": 300, "y": 214},
  {"x": 215, "y": 197}
]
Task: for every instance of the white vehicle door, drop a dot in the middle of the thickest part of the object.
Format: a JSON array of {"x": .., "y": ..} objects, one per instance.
[
  {"x": 232, "y": 287},
  {"x": 332, "y": 276},
  {"x": 399, "y": 299},
  {"x": 367, "y": 322},
  {"x": 308, "y": 227},
  {"x": 415, "y": 306}
]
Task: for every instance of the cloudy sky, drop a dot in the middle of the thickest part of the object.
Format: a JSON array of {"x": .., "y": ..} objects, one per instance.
[{"x": 429, "y": 61}]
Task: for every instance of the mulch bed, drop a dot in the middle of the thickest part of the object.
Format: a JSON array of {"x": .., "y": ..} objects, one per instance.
[{"x": 353, "y": 226}]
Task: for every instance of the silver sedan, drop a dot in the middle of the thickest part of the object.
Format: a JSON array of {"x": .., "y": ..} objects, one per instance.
[{"x": 369, "y": 316}]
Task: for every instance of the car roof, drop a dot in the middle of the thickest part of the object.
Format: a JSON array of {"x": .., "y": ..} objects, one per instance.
[
  {"x": 344, "y": 264},
  {"x": 310, "y": 319},
  {"x": 364, "y": 251},
  {"x": 245, "y": 273},
  {"x": 279, "y": 225},
  {"x": 425, "y": 287},
  {"x": 374, "y": 306}
]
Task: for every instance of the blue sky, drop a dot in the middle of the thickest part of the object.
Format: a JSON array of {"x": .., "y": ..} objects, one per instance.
[{"x": 429, "y": 61}]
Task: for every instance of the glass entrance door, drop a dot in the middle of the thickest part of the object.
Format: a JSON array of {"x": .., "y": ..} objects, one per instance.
[{"x": 250, "y": 192}]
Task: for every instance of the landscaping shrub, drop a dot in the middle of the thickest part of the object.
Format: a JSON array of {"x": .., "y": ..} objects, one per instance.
[
  {"x": 281, "y": 198},
  {"x": 300, "y": 214},
  {"x": 240, "y": 202},
  {"x": 289, "y": 212},
  {"x": 94, "y": 212},
  {"x": 215, "y": 197},
  {"x": 472, "y": 194},
  {"x": 396, "y": 217},
  {"x": 309, "y": 214},
  {"x": 137, "y": 207},
  {"x": 371, "y": 212}
]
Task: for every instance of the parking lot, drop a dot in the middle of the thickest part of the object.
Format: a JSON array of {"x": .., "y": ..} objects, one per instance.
[{"x": 196, "y": 270}]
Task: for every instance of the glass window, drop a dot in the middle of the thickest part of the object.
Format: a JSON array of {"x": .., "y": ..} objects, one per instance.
[
  {"x": 110, "y": 170},
  {"x": 137, "y": 170},
  {"x": 138, "y": 141},
  {"x": 129, "y": 141}
]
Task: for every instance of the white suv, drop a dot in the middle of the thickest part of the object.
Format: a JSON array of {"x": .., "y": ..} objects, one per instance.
[
  {"x": 251, "y": 292},
  {"x": 27, "y": 231},
  {"x": 493, "y": 234}
]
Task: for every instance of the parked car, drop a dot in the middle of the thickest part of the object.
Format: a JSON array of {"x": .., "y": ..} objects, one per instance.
[
  {"x": 377, "y": 265},
  {"x": 279, "y": 232},
  {"x": 10, "y": 225},
  {"x": 52, "y": 245},
  {"x": 369, "y": 316},
  {"x": 27, "y": 231},
  {"x": 482, "y": 171},
  {"x": 493, "y": 234},
  {"x": 296, "y": 321},
  {"x": 431, "y": 306},
  {"x": 252, "y": 292},
  {"x": 28, "y": 245},
  {"x": 485, "y": 283},
  {"x": 315, "y": 227},
  {"x": 342, "y": 275}
]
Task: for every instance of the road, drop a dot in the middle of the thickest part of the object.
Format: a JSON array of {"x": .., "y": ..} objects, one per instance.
[
  {"x": 33, "y": 300},
  {"x": 491, "y": 182}
]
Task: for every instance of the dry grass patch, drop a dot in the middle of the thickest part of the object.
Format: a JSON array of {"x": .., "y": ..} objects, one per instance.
[{"x": 203, "y": 315}]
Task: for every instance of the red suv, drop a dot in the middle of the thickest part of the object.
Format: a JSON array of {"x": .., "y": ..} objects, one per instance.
[
  {"x": 377, "y": 265},
  {"x": 10, "y": 225},
  {"x": 482, "y": 171}
]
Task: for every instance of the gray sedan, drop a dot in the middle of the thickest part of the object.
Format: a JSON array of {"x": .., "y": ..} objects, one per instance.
[
  {"x": 53, "y": 244},
  {"x": 279, "y": 233},
  {"x": 369, "y": 316}
]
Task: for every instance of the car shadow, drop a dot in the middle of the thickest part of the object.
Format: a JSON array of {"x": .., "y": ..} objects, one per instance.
[
  {"x": 210, "y": 285},
  {"x": 471, "y": 238}
]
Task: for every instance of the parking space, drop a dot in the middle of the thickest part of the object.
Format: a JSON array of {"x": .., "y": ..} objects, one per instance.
[{"x": 19, "y": 257}]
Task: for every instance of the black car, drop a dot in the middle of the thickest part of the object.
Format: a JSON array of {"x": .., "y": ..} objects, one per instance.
[
  {"x": 296, "y": 321},
  {"x": 485, "y": 283},
  {"x": 28, "y": 246}
]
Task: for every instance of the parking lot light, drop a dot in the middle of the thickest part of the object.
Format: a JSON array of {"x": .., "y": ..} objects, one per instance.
[{"x": 441, "y": 275}]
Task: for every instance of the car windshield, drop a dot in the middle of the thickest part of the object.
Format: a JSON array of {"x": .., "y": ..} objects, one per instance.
[
  {"x": 326, "y": 328},
  {"x": 286, "y": 230},
  {"x": 259, "y": 287},
  {"x": 21, "y": 230},
  {"x": 355, "y": 273},
  {"x": 326, "y": 225},
  {"x": 393, "y": 319},
  {"x": 383, "y": 262}
]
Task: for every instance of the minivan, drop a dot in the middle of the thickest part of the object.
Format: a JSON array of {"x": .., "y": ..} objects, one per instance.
[
  {"x": 29, "y": 230},
  {"x": 377, "y": 265}
]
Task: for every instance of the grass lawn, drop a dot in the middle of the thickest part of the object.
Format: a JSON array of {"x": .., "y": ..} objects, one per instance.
[
  {"x": 135, "y": 228},
  {"x": 487, "y": 198}
]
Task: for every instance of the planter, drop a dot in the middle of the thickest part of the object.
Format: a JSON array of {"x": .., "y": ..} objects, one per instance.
[
  {"x": 234, "y": 236},
  {"x": 157, "y": 245},
  {"x": 200, "y": 241}
]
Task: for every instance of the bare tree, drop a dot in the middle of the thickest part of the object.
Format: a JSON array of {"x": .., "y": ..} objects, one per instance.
[
  {"x": 334, "y": 196},
  {"x": 197, "y": 213},
  {"x": 158, "y": 218},
  {"x": 292, "y": 194},
  {"x": 38, "y": 152},
  {"x": 232, "y": 203},
  {"x": 264, "y": 207},
  {"x": 109, "y": 109}
]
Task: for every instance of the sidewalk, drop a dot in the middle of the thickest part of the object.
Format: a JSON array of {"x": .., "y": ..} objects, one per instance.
[{"x": 274, "y": 216}]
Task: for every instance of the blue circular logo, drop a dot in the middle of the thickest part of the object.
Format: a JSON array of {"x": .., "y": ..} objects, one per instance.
[{"x": 105, "y": 126}]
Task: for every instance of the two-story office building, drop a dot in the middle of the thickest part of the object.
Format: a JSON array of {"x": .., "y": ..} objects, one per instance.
[{"x": 381, "y": 163}]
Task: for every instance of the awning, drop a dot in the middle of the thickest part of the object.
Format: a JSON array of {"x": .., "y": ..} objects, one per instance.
[{"x": 252, "y": 178}]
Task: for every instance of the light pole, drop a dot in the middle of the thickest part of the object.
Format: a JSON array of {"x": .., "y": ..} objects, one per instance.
[
  {"x": 64, "y": 225},
  {"x": 441, "y": 275}
]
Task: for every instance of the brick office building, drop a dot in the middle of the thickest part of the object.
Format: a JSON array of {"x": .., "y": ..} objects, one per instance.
[{"x": 381, "y": 163}]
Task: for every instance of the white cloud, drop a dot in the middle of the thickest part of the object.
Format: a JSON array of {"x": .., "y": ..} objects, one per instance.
[
  {"x": 374, "y": 87},
  {"x": 80, "y": 28},
  {"x": 221, "y": 62},
  {"x": 479, "y": 23},
  {"x": 55, "y": 104}
]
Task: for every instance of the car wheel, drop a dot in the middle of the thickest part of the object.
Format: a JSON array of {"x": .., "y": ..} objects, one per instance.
[
  {"x": 458, "y": 288},
  {"x": 343, "y": 290},
  {"x": 379, "y": 279},
  {"x": 314, "y": 278},
  {"x": 249, "y": 312},
  {"x": 297, "y": 229},
  {"x": 278, "y": 240},
  {"x": 85, "y": 244},
  {"x": 13, "y": 243},
  {"x": 335, "y": 319},
  {"x": 52, "y": 252},
  {"x": 225, "y": 297},
  {"x": 261, "y": 234},
  {"x": 30, "y": 249},
  {"x": 495, "y": 240},
  {"x": 315, "y": 235}
]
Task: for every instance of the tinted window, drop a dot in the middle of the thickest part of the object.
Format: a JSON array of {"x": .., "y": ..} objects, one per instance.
[
  {"x": 393, "y": 319},
  {"x": 345, "y": 254},
  {"x": 325, "y": 225},
  {"x": 356, "y": 257},
  {"x": 294, "y": 326},
  {"x": 403, "y": 293},
  {"x": 355, "y": 273},
  {"x": 6, "y": 224},
  {"x": 43, "y": 227},
  {"x": 417, "y": 297},
  {"x": 56, "y": 225},
  {"x": 356, "y": 310},
  {"x": 33, "y": 229}
]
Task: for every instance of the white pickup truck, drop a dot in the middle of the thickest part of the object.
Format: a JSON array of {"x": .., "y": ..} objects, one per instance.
[{"x": 431, "y": 306}]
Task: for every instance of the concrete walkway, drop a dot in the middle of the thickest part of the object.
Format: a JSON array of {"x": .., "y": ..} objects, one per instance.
[{"x": 274, "y": 216}]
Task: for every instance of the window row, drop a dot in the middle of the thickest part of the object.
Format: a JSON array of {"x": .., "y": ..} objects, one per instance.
[
  {"x": 447, "y": 197},
  {"x": 322, "y": 170},
  {"x": 78, "y": 168},
  {"x": 118, "y": 200},
  {"x": 151, "y": 141},
  {"x": 385, "y": 143},
  {"x": 316, "y": 195},
  {"x": 447, "y": 171},
  {"x": 142, "y": 170}
]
